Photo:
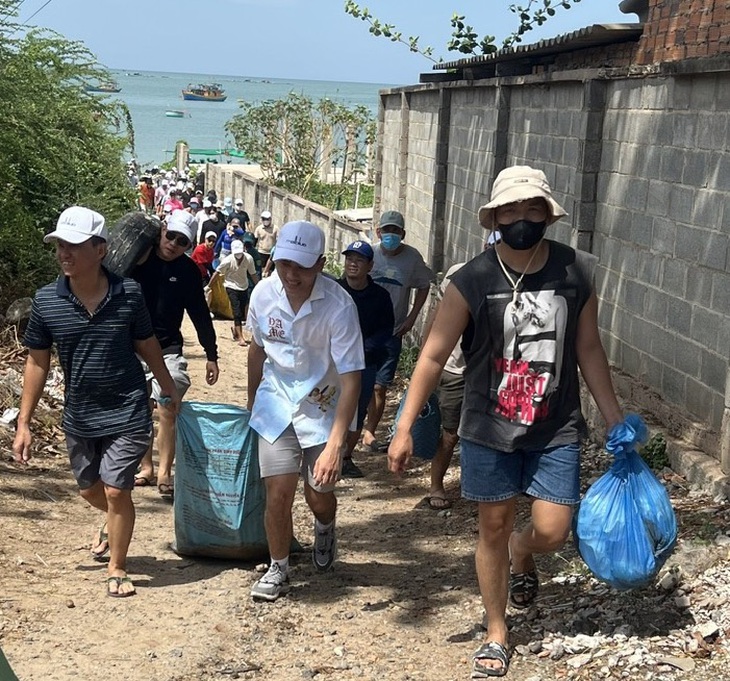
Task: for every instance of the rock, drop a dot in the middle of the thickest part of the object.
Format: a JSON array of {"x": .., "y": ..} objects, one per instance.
[
  {"x": 19, "y": 311},
  {"x": 683, "y": 602},
  {"x": 708, "y": 630},
  {"x": 534, "y": 647},
  {"x": 686, "y": 664},
  {"x": 70, "y": 604},
  {"x": 579, "y": 661},
  {"x": 557, "y": 652}
]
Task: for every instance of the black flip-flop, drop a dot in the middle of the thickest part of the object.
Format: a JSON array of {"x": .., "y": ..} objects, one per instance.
[
  {"x": 142, "y": 481},
  {"x": 103, "y": 539},
  {"x": 166, "y": 490}
]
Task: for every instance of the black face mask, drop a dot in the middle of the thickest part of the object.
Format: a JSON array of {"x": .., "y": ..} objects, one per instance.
[{"x": 523, "y": 234}]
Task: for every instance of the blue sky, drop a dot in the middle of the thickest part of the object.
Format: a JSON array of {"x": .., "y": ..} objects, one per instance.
[{"x": 307, "y": 39}]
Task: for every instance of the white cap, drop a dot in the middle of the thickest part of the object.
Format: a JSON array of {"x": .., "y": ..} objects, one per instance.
[
  {"x": 78, "y": 224},
  {"x": 207, "y": 203},
  {"x": 211, "y": 234},
  {"x": 228, "y": 201},
  {"x": 237, "y": 246},
  {"x": 181, "y": 221},
  {"x": 301, "y": 242},
  {"x": 266, "y": 215},
  {"x": 239, "y": 202}
]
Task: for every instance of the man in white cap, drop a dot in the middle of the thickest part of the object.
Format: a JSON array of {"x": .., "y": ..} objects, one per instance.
[
  {"x": 304, "y": 366},
  {"x": 266, "y": 234},
  {"x": 97, "y": 321},
  {"x": 528, "y": 311},
  {"x": 235, "y": 269},
  {"x": 242, "y": 216},
  {"x": 172, "y": 285}
]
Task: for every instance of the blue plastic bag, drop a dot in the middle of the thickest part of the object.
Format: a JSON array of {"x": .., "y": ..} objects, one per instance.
[
  {"x": 219, "y": 494},
  {"x": 625, "y": 527},
  {"x": 426, "y": 429}
]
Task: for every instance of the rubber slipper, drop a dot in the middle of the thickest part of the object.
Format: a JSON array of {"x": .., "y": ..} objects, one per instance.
[
  {"x": 103, "y": 539},
  {"x": 438, "y": 503},
  {"x": 142, "y": 481},
  {"x": 166, "y": 490},
  {"x": 119, "y": 581}
]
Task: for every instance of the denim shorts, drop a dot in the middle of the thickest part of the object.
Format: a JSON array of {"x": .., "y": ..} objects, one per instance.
[
  {"x": 389, "y": 362},
  {"x": 488, "y": 475}
]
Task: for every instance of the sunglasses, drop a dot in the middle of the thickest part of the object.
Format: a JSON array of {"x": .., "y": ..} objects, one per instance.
[{"x": 179, "y": 239}]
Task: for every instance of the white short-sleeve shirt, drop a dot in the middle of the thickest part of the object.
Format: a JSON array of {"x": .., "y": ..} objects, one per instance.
[
  {"x": 235, "y": 272},
  {"x": 305, "y": 354}
]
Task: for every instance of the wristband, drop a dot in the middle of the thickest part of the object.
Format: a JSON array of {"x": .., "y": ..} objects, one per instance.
[{"x": 164, "y": 400}]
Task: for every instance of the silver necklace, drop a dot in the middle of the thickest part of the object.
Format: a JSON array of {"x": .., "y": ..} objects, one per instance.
[{"x": 515, "y": 284}]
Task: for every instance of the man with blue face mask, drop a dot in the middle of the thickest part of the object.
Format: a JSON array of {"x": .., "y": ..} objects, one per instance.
[{"x": 398, "y": 268}]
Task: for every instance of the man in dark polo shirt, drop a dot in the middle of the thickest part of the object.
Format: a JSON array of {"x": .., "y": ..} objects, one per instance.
[
  {"x": 97, "y": 322},
  {"x": 172, "y": 285}
]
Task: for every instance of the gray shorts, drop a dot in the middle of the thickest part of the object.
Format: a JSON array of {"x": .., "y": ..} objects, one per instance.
[
  {"x": 285, "y": 456},
  {"x": 113, "y": 459},
  {"x": 451, "y": 395},
  {"x": 177, "y": 365}
]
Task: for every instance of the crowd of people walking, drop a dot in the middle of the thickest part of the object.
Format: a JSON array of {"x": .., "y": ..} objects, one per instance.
[{"x": 502, "y": 350}]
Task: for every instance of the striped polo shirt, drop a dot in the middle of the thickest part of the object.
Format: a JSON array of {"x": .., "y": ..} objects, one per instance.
[{"x": 105, "y": 387}]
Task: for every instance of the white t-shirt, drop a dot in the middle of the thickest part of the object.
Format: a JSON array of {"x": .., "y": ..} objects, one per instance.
[
  {"x": 305, "y": 354},
  {"x": 235, "y": 273}
]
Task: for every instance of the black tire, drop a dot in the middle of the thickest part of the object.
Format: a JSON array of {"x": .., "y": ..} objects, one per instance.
[{"x": 129, "y": 239}]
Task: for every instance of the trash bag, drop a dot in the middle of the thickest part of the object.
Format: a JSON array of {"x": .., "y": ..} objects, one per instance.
[
  {"x": 219, "y": 494},
  {"x": 426, "y": 429},
  {"x": 625, "y": 527}
]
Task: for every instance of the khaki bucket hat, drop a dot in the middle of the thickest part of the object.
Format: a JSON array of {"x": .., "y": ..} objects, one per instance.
[{"x": 519, "y": 183}]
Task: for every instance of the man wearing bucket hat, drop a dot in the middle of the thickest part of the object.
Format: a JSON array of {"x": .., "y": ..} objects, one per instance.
[
  {"x": 304, "y": 366},
  {"x": 97, "y": 321},
  {"x": 528, "y": 312}
]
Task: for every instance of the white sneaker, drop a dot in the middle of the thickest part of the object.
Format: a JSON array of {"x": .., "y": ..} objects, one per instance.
[
  {"x": 272, "y": 585},
  {"x": 324, "y": 553}
]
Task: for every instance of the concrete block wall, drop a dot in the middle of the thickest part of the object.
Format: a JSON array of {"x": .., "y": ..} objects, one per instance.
[
  {"x": 421, "y": 170},
  {"x": 662, "y": 237},
  {"x": 471, "y": 159},
  {"x": 547, "y": 123},
  {"x": 389, "y": 145},
  {"x": 642, "y": 166}
]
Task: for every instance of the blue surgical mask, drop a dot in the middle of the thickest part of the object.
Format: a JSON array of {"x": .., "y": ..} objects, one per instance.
[{"x": 390, "y": 241}]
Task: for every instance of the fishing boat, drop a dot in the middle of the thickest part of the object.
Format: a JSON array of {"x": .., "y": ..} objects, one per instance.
[
  {"x": 175, "y": 113},
  {"x": 103, "y": 87},
  {"x": 212, "y": 92}
]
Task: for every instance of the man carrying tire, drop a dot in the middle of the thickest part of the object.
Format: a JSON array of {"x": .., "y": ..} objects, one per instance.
[{"x": 172, "y": 285}]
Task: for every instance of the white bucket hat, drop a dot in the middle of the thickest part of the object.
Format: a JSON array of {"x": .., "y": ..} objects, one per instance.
[{"x": 519, "y": 183}]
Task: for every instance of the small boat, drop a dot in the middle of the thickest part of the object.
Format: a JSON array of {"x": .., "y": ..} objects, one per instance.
[
  {"x": 103, "y": 87},
  {"x": 176, "y": 113},
  {"x": 212, "y": 92}
]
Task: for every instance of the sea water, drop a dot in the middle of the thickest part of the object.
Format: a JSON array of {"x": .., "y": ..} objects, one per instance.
[{"x": 150, "y": 94}]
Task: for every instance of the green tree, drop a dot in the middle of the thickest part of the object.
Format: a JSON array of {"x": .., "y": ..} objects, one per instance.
[
  {"x": 59, "y": 145},
  {"x": 296, "y": 140},
  {"x": 463, "y": 37}
]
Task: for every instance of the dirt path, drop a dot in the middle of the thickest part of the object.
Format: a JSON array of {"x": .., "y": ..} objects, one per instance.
[{"x": 401, "y": 604}]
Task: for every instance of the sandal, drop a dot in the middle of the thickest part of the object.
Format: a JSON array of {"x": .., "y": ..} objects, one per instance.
[
  {"x": 103, "y": 539},
  {"x": 119, "y": 581},
  {"x": 166, "y": 490},
  {"x": 523, "y": 588},
  {"x": 490, "y": 651}
]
